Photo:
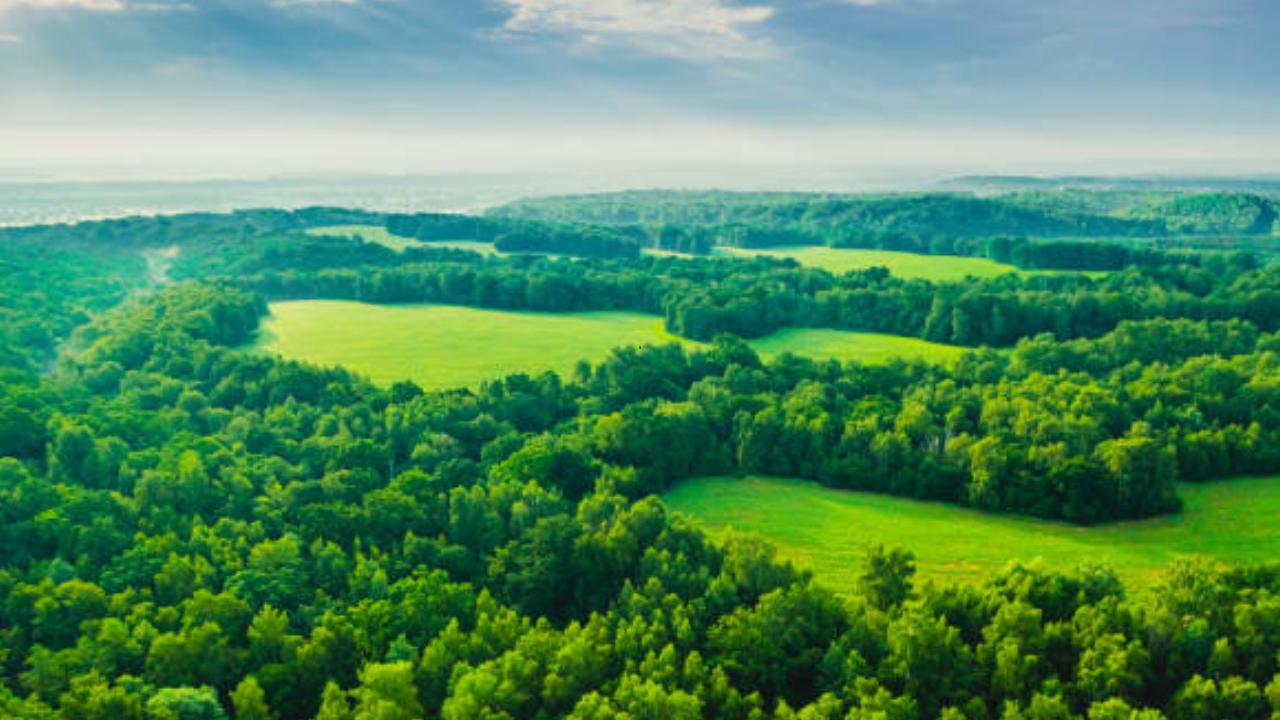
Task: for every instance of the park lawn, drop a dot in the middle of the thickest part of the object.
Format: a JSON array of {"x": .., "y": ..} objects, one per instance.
[
  {"x": 378, "y": 234},
  {"x": 444, "y": 346},
  {"x": 937, "y": 268},
  {"x": 824, "y": 530}
]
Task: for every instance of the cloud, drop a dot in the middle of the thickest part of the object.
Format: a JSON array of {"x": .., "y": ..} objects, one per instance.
[
  {"x": 161, "y": 7},
  {"x": 680, "y": 28},
  {"x": 291, "y": 3},
  {"x": 181, "y": 68},
  {"x": 146, "y": 6},
  {"x": 94, "y": 5},
  {"x": 9, "y": 38}
]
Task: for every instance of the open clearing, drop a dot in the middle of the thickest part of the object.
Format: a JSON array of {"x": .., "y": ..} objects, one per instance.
[
  {"x": 445, "y": 346},
  {"x": 938, "y": 268},
  {"x": 852, "y": 346},
  {"x": 943, "y": 268},
  {"x": 824, "y": 530},
  {"x": 368, "y": 233},
  {"x": 378, "y": 234}
]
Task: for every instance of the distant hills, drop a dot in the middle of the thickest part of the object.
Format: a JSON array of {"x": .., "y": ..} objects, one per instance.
[
  {"x": 1021, "y": 183},
  {"x": 840, "y": 219}
]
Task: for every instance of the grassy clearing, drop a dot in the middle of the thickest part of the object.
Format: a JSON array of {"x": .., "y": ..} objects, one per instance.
[
  {"x": 368, "y": 233},
  {"x": 824, "y": 530},
  {"x": 440, "y": 346},
  {"x": 938, "y": 268},
  {"x": 852, "y": 346},
  {"x": 378, "y": 234}
]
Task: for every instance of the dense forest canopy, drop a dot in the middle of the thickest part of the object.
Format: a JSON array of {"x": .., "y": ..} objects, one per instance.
[{"x": 192, "y": 532}]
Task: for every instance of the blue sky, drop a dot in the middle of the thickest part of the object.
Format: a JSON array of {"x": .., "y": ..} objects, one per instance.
[{"x": 412, "y": 84}]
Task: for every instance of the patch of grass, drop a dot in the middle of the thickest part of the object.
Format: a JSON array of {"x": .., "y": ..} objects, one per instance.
[
  {"x": 825, "y": 530},
  {"x": 378, "y": 234},
  {"x": 938, "y": 268},
  {"x": 845, "y": 346},
  {"x": 442, "y": 346},
  {"x": 368, "y": 233}
]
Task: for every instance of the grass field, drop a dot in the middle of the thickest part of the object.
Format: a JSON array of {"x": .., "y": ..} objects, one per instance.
[
  {"x": 939, "y": 268},
  {"x": 379, "y": 234},
  {"x": 440, "y": 346},
  {"x": 368, "y": 233},
  {"x": 906, "y": 265},
  {"x": 824, "y": 530},
  {"x": 849, "y": 346}
]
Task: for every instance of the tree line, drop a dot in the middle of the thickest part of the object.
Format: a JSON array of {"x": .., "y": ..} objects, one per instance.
[{"x": 1139, "y": 213}]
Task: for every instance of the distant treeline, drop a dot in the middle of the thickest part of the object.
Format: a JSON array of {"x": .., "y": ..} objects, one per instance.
[
  {"x": 1031, "y": 214},
  {"x": 1071, "y": 230}
]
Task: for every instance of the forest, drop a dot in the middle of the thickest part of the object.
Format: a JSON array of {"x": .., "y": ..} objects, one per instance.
[
  {"x": 1078, "y": 230},
  {"x": 189, "y": 531}
]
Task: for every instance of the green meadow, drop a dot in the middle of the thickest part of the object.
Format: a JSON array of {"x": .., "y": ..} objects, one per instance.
[
  {"x": 444, "y": 346},
  {"x": 941, "y": 268},
  {"x": 937, "y": 268},
  {"x": 368, "y": 233},
  {"x": 824, "y": 530},
  {"x": 853, "y": 346}
]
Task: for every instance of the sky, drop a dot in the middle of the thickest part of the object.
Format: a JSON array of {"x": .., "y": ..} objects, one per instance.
[{"x": 445, "y": 85}]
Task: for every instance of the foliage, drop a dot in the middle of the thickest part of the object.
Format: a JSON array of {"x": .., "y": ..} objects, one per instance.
[{"x": 190, "y": 531}]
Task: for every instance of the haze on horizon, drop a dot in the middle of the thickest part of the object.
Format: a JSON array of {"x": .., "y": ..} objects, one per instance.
[{"x": 221, "y": 86}]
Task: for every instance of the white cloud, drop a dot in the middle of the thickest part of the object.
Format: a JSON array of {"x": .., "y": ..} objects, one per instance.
[
  {"x": 681, "y": 28},
  {"x": 94, "y": 5},
  {"x": 99, "y": 5},
  {"x": 9, "y": 38},
  {"x": 161, "y": 7},
  {"x": 288, "y": 3}
]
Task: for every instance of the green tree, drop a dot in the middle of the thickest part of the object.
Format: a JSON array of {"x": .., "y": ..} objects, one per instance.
[
  {"x": 186, "y": 703},
  {"x": 387, "y": 692},
  {"x": 250, "y": 702},
  {"x": 885, "y": 576}
]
